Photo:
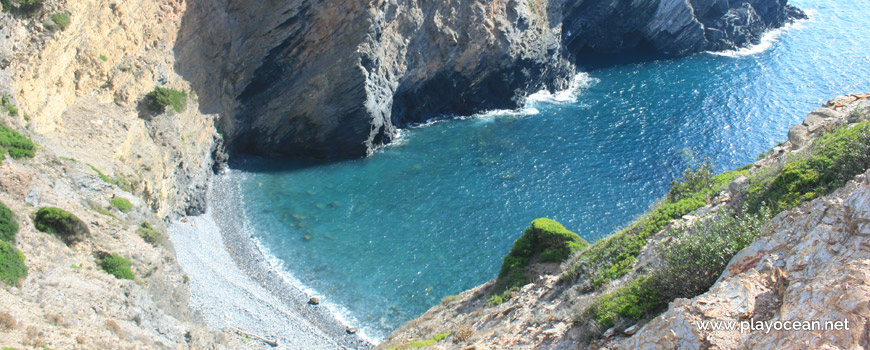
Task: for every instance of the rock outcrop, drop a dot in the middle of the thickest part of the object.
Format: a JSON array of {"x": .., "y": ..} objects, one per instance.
[{"x": 337, "y": 79}]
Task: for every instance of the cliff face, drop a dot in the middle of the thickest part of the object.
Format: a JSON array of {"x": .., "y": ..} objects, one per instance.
[
  {"x": 79, "y": 94},
  {"x": 302, "y": 78}
]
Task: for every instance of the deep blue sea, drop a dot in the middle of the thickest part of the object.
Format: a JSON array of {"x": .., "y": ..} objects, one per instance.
[{"x": 387, "y": 237}]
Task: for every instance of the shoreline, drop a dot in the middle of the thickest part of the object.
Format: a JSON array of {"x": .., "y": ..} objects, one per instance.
[{"x": 233, "y": 285}]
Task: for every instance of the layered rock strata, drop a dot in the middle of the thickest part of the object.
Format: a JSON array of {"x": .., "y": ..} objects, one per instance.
[{"x": 337, "y": 79}]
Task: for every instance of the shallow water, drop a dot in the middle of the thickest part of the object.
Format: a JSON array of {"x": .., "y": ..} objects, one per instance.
[{"x": 385, "y": 238}]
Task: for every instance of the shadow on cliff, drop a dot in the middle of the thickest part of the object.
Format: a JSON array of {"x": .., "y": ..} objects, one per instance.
[{"x": 201, "y": 50}]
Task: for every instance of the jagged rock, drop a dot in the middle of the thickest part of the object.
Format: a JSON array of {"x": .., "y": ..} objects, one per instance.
[{"x": 336, "y": 79}]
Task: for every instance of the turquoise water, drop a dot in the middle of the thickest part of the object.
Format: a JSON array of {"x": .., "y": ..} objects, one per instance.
[{"x": 387, "y": 237}]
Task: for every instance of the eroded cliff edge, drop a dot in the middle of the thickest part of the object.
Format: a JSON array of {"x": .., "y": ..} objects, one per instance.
[{"x": 337, "y": 79}]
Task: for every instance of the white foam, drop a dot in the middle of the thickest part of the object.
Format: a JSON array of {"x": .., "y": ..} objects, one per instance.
[
  {"x": 579, "y": 82},
  {"x": 767, "y": 41}
]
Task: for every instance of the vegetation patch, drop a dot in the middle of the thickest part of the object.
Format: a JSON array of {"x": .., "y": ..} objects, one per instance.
[
  {"x": 614, "y": 256},
  {"x": 117, "y": 266},
  {"x": 8, "y": 224},
  {"x": 692, "y": 263},
  {"x": 6, "y": 102},
  {"x": 60, "y": 19},
  {"x": 694, "y": 259},
  {"x": 632, "y": 301},
  {"x": 121, "y": 204},
  {"x": 12, "y": 267},
  {"x": 62, "y": 223},
  {"x": 422, "y": 343},
  {"x": 831, "y": 161},
  {"x": 18, "y": 145},
  {"x": 25, "y": 6},
  {"x": 546, "y": 240},
  {"x": 159, "y": 98},
  {"x": 149, "y": 234}
]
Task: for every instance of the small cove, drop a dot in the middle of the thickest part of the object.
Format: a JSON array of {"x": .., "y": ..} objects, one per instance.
[{"x": 385, "y": 238}]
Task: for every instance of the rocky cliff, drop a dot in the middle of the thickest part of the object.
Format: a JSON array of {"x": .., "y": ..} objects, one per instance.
[
  {"x": 337, "y": 79},
  {"x": 808, "y": 263},
  {"x": 73, "y": 76}
]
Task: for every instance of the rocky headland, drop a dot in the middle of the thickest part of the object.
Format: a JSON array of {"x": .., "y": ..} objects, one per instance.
[{"x": 807, "y": 263}]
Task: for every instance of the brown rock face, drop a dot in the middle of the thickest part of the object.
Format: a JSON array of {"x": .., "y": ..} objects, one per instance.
[{"x": 336, "y": 79}]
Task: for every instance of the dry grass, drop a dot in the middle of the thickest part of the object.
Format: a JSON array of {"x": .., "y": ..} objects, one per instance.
[
  {"x": 34, "y": 337},
  {"x": 463, "y": 335},
  {"x": 115, "y": 328},
  {"x": 7, "y": 321}
]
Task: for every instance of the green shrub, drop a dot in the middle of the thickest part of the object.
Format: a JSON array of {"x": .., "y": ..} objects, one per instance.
[
  {"x": 422, "y": 343},
  {"x": 831, "y": 161},
  {"x": 18, "y": 145},
  {"x": 8, "y": 224},
  {"x": 12, "y": 266},
  {"x": 693, "y": 181},
  {"x": 695, "y": 258},
  {"x": 6, "y": 101},
  {"x": 121, "y": 204},
  {"x": 61, "y": 223},
  {"x": 545, "y": 239},
  {"x": 149, "y": 234},
  {"x": 691, "y": 264},
  {"x": 630, "y": 301},
  {"x": 117, "y": 266},
  {"x": 615, "y": 256},
  {"x": 160, "y": 98},
  {"x": 6, "y": 5},
  {"x": 103, "y": 58},
  {"x": 60, "y": 19}
]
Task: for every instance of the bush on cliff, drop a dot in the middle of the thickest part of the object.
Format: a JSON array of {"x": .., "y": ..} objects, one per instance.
[
  {"x": 117, "y": 266},
  {"x": 62, "y": 223},
  {"x": 545, "y": 240},
  {"x": 831, "y": 161},
  {"x": 691, "y": 263},
  {"x": 614, "y": 256},
  {"x": 18, "y": 145},
  {"x": 61, "y": 20},
  {"x": 160, "y": 98},
  {"x": 121, "y": 204},
  {"x": 6, "y": 102},
  {"x": 8, "y": 225},
  {"x": 149, "y": 234},
  {"x": 12, "y": 266}
]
